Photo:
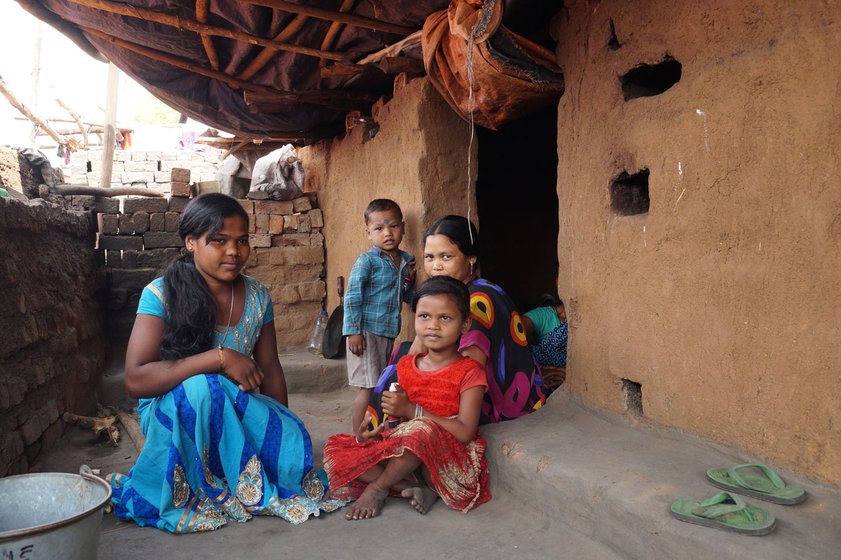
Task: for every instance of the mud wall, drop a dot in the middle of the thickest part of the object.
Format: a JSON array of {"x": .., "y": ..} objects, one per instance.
[
  {"x": 719, "y": 305},
  {"x": 51, "y": 348},
  {"x": 414, "y": 151}
]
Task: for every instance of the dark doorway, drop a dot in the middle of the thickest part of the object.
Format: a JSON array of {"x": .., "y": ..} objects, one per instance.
[{"x": 517, "y": 197}]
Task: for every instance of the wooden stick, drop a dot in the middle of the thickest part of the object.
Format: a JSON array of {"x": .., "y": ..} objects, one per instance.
[
  {"x": 392, "y": 50},
  {"x": 75, "y": 116},
  {"x": 315, "y": 98},
  {"x": 197, "y": 27},
  {"x": 68, "y": 190},
  {"x": 336, "y": 26},
  {"x": 98, "y": 425},
  {"x": 330, "y": 15},
  {"x": 133, "y": 428},
  {"x": 202, "y": 12},
  {"x": 107, "y": 163},
  {"x": 234, "y": 149},
  {"x": 7, "y": 93},
  {"x": 268, "y": 53}
]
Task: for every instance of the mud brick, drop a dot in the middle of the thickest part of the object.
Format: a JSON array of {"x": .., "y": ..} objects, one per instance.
[
  {"x": 261, "y": 223},
  {"x": 295, "y": 256},
  {"x": 135, "y": 166},
  {"x": 304, "y": 223},
  {"x": 180, "y": 188},
  {"x": 132, "y": 205},
  {"x": 302, "y": 204},
  {"x": 316, "y": 218},
  {"x": 179, "y": 175},
  {"x": 171, "y": 221},
  {"x": 317, "y": 239},
  {"x": 140, "y": 221},
  {"x": 158, "y": 240},
  {"x": 157, "y": 222},
  {"x": 276, "y": 223},
  {"x": 105, "y": 204},
  {"x": 137, "y": 177},
  {"x": 247, "y": 205},
  {"x": 125, "y": 224},
  {"x": 120, "y": 242},
  {"x": 260, "y": 240},
  {"x": 177, "y": 203},
  {"x": 290, "y": 223},
  {"x": 138, "y": 156},
  {"x": 114, "y": 259},
  {"x": 273, "y": 207},
  {"x": 131, "y": 280},
  {"x": 154, "y": 258},
  {"x": 258, "y": 195},
  {"x": 161, "y": 176},
  {"x": 291, "y": 240},
  {"x": 130, "y": 259},
  {"x": 109, "y": 224}
]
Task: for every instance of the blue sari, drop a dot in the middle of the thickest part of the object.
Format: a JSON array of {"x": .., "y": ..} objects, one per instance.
[{"x": 215, "y": 453}]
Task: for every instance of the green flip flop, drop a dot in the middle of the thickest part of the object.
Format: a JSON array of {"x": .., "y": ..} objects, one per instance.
[
  {"x": 757, "y": 481},
  {"x": 725, "y": 511}
]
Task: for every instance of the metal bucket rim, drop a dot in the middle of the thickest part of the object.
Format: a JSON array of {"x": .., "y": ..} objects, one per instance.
[{"x": 18, "y": 533}]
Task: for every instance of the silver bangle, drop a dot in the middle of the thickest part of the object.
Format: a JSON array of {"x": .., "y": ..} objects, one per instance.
[{"x": 418, "y": 411}]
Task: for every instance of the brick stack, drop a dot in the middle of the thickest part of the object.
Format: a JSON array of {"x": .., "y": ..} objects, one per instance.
[{"x": 143, "y": 169}]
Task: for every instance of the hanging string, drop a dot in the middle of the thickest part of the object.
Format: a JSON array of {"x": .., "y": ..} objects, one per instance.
[{"x": 470, "y": 82}]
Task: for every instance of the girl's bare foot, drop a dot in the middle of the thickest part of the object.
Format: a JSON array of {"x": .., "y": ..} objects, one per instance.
[
  {"x": 368, "y": 505},
  {"x": 421, "y": 497}
]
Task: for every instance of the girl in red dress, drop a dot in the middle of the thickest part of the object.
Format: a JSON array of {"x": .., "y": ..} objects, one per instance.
[{"x": 439, "y": 400}]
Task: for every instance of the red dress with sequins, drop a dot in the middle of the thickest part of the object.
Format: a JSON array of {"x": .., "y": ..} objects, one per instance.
[{"x": 458, "y": 472}]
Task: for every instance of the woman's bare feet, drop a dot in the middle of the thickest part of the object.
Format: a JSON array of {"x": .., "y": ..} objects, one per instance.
[
  {"x": 368, "y": 505},
  {"x": 421, "y": 497}
]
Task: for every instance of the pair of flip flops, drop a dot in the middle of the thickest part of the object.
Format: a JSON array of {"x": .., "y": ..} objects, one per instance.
[{"x": 728, "y": 511}]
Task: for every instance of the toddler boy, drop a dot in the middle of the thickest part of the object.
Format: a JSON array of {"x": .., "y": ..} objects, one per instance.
[{"x": 380, "y": 282}]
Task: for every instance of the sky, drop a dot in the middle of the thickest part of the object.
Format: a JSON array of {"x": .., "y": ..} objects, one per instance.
[{"x": 66, "y": 72}]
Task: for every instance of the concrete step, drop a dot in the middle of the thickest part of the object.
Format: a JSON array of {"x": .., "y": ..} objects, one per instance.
[
  {"x": 613, "y": 480},
  {"x": 307, "y": 373}
]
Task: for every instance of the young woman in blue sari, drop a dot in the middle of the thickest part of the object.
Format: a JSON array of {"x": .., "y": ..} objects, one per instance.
[{"x": 202, "y": 345}]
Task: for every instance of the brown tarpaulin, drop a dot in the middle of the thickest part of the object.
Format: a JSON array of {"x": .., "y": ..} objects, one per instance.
[{"x": 512, "y": 76}]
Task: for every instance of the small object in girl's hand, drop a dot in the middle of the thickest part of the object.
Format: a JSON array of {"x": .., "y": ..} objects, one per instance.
[{"x": 392, "y": 421}]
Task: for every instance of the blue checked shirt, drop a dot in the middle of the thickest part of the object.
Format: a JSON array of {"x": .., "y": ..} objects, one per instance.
[{"x": 375, "y": 292}]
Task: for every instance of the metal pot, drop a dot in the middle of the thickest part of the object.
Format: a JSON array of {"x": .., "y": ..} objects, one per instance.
[{"x": 52, "y": 515}]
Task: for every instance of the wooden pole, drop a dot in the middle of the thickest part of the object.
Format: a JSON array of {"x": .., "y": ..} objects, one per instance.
[
  {"x": 202, "y": 13},
  {"x": 36, "y": 74},
  {"x": 267, "y": 53},
  {"x": 76, "y": 118},
  {"x": 110, "y": 124},
  {"x": 197, "y": 27},
  {"x": 7, "y": 93},
  {"x": 67, "y": 190},
  {"x": 330, "y": 15},
  {"x": 315, "y": 98}
]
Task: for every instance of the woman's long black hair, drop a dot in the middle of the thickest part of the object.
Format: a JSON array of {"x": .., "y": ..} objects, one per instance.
[{"x": 191, "y": 309}]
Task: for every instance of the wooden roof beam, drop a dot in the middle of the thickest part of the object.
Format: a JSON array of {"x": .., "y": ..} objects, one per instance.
[
  {"x": 202, "y": 13},
  {"x": 197, "y": 27},
  {"x": 268, "y": 53},
  {"x": 334, "y": 16}
]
